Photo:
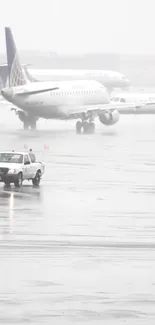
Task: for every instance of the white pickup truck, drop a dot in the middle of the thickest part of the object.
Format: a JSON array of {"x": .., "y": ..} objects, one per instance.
[{"x": 15, "y": 167}]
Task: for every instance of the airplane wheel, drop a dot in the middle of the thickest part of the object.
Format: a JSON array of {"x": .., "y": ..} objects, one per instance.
[
  {"x": 26, "y": 125},
  {"x": 89, "y": 127},
  {"x": 85, "y": 127},
  {"x": 78, "y": 127},
  {"x": 92, "y": 127},
  {"x": 33, "y": 126}
]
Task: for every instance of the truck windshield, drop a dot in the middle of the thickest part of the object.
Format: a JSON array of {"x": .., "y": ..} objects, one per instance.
[{"x": 11, "y": 157}]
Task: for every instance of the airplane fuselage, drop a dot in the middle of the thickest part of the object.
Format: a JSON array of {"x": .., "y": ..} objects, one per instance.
[
  {"x": 60, "y": 103},
  {"x": 110, "y": 79},
  {"x": 144, "y": 103}
]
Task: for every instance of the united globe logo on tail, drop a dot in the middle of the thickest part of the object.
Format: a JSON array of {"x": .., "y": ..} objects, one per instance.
[
  {"x": 17, "y": 77},
  {"x": 15, "y": 70}
]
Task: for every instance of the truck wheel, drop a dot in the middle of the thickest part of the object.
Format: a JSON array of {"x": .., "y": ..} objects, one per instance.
[
  {"x": 36, "y": 180},
  {"x": 7, "y": 183},
  {"x": 19, "y": 180}
]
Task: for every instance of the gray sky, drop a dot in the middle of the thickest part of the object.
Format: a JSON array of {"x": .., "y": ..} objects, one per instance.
[{"x": 125, "y": 26}]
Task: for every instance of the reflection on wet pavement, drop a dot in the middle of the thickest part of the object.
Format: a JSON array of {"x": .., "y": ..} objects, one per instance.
[{"x": 81, "y": 247}]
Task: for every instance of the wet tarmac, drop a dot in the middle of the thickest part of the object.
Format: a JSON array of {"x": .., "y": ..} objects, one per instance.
[{"x": 80, "y": 249}]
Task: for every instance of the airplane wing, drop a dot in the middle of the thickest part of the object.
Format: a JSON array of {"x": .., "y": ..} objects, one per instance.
[
  {"x": 74, "y": 110},
  {"x": 24, "y": 92}
]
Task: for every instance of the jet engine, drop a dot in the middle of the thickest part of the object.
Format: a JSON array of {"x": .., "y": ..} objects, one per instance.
[
  {"x": 23, "y": 116},
  {"x": 109, "y": 117},
  {"x": 28, "y": 120}
]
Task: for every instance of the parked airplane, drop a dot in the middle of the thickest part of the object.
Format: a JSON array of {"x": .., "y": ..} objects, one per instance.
[
  {"x": 3, "y": 75},
  {"x": 83, "y": 99},
  {"x": 144, "y": 103},
  {"x": 110, "y": 79}
]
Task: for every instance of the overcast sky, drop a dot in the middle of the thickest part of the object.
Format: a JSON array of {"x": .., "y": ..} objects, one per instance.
[{"x": 124, "y": 26}]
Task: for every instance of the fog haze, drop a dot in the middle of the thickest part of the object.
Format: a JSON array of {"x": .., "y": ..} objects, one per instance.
[
  {"x": 79, "y": 248},
  {"x": 67, "y": 26}
]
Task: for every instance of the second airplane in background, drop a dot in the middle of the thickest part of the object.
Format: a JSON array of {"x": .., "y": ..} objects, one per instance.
[{"x": 110, "y": 79}]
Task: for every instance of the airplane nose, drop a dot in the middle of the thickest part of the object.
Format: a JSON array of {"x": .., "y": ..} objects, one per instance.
[{"x": 7, "y": 93}]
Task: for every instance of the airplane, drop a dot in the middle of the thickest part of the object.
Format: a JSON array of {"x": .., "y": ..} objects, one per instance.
[
  {"x": 110, "y": 79},
  {"x": 76, "y": 99},
  {"x": 145, "y": 103},
  {"x": 3, "y": 75}
]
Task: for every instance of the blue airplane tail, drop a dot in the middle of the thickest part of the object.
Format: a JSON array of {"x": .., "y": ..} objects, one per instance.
[{"x": 15, "y": 71}]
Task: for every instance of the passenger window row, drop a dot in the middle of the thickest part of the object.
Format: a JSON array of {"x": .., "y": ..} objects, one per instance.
[
  {"x": 97, "y": 74},
  {"x": 118, "y": 99},
  {"x": 74, "y": 92}
]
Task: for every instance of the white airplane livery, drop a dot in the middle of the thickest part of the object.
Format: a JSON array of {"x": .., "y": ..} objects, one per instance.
[
  {"x": 110, "y": 79},
  {"x": 144, "y": 103},
  {"x": 78, "y": 99}
]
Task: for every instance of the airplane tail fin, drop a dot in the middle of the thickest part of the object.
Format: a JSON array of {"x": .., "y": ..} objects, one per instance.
[
  {"x": 15, "y": 70},
  {"x": 3, "y": 74},
  {"x": 28, "y": 75}
]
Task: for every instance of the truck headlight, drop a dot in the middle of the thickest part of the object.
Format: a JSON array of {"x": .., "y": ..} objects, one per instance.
[{"x": 12, "y": 171}]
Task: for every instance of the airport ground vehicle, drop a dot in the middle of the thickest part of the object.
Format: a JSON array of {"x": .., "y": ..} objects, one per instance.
[{"x": 15, "y": 167}]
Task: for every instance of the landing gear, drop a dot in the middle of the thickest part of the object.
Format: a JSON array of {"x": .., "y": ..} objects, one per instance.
[
  {"x": 88, "y": 127},
  {"x": 25, "y": 125},
  {"x": 33, "y": 125},
  {"x": 29, "y": 121},
  {"x": 78, "y": 127}
]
